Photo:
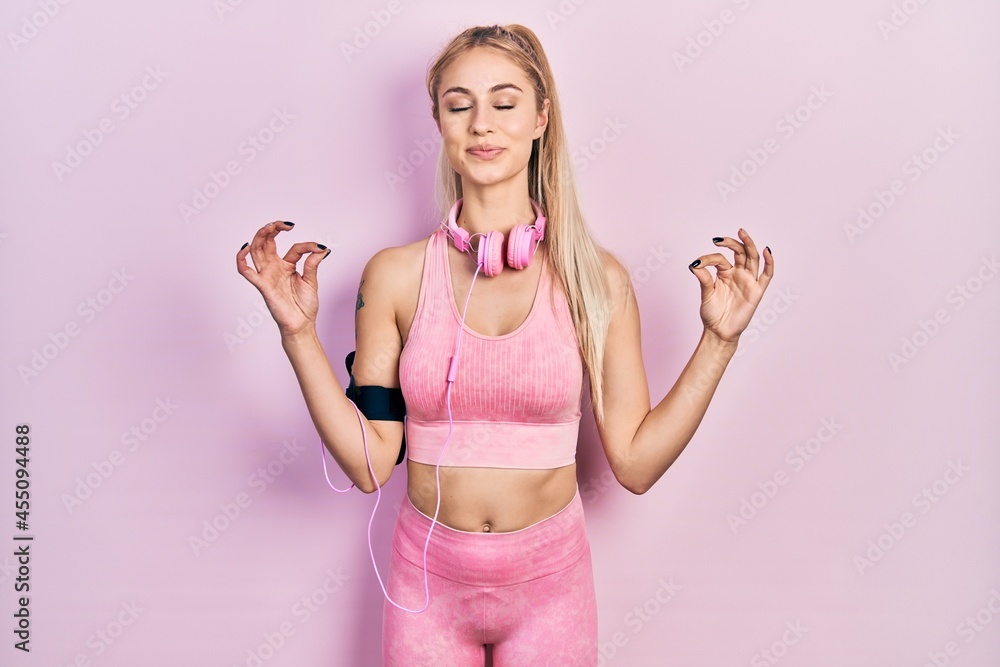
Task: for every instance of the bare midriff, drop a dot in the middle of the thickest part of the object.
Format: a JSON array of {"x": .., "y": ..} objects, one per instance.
[{"x": 490, "y": 500}]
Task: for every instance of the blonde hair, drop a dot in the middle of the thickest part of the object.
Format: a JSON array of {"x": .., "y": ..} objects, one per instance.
[{"x": 574, "y": 255}]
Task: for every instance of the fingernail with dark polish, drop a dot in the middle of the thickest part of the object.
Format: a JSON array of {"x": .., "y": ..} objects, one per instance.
[
  {"x": 290, "y": 224},
  {"x": 716, "y": 239},
  {"x": 244, "y": 245},
  {"x": 768, "y": 248},
  {"x": 694, "y": 263},
  {"x": 321, "y": 246},
  {"x": 327, "y": 254}
]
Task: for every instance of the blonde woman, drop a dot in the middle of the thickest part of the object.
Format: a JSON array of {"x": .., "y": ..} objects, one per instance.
[{"x": 483, "y": 333}]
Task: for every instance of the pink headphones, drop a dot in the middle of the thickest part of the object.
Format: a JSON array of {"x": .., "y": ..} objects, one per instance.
[{"x": 520, "y": 246}]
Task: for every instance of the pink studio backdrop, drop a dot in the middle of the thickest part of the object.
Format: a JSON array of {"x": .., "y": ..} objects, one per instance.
[{"x": 839, "y": 503}]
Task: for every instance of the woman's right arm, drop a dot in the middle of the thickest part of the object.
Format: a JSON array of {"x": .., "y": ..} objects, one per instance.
[{"x": 292, "y": 301}]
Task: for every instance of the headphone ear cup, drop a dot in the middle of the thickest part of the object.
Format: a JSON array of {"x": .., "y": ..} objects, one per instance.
[
  {"x": 491, "y": 253},
  {"x": 521, "y": 246}
]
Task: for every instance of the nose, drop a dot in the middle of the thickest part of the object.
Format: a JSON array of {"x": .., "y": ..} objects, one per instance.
[{"x": 482, "y": 119}]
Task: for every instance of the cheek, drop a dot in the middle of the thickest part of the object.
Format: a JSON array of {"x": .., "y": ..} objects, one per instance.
[
  {"x": 451, "y": 138},
  {"x": 448, "y": 122},
  {"x": 519, "y": 126},
  {"x": 519, "y": 133},
  {"x": 454, "y": 128}
]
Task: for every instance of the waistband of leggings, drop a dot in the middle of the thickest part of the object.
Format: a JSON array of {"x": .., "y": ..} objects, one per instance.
[{"x": 493, "y": 559}]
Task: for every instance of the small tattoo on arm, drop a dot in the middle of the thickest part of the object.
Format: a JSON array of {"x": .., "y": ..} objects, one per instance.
[{"x": 361, "y": 302}]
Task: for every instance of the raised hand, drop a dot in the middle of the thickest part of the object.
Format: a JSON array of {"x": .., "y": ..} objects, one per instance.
[
  {"x": 292, "y": 298},
  {"x": 728, "y": 302}
]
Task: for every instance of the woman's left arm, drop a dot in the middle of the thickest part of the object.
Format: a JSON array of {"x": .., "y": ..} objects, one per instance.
[{"x": 641, "y": 443}]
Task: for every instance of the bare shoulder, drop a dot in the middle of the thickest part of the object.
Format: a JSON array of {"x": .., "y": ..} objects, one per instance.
[
  {"x": 392, "y": 270},
  {"x": 619, "y": 280},
  {"x": 384, "y": 288}
]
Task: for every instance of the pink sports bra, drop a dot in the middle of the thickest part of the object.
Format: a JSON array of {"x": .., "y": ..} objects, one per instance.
[{"x": 515, "y": 401}]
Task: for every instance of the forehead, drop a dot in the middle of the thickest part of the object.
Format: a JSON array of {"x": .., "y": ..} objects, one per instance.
[{"x": 479, "y": 69}]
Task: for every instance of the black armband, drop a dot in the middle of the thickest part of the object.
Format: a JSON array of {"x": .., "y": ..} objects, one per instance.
[{"x": 378, "y": 403}]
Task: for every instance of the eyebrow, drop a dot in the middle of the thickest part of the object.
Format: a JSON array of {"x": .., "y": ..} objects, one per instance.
[{"x": 494, "y": 89}]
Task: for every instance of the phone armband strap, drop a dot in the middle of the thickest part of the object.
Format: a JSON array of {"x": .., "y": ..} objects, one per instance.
[{"x": 377, "y": 403}]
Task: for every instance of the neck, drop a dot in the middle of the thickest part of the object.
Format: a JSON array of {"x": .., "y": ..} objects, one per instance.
[{"x": 495, "y": 208}]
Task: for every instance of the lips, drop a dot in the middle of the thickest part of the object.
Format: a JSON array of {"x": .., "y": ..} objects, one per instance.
[{"x": 487, "y": 151}]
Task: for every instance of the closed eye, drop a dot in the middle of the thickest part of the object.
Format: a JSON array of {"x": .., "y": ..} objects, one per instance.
[{"x": 457, "y": 109}]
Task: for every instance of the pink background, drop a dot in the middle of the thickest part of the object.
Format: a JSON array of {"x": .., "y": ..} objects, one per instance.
[{"x": 173, "y": 324}]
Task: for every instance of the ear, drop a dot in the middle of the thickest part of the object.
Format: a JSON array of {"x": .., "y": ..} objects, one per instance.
[{"x": 543, "y": 119}]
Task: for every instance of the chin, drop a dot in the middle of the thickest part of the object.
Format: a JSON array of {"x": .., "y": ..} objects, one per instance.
[{"x": 489, "y": 174}]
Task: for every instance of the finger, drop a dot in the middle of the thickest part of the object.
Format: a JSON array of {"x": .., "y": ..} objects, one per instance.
[
  {"x": 312, "y": 264},
  {"x": 716, "y": 259},
  {"x": 316, "y": 252},
  {"x": 263, "y": 248},
  {"x": 753, "y": 256},
  {"x": 768, "y": 273},
  {"x": 241, "y": 265},
  {"x": 259, "y": 244},
  {"x": 704, "y": 277},
  {"x": 740, "y": 254},
  {"x": 699, "y": 268}
]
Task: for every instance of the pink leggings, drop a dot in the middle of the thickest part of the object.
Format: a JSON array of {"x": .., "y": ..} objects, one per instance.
[{"x": 530, "y": 593}]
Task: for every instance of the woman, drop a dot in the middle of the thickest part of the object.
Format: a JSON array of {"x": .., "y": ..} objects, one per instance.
[{"x": 492, "y": 392}]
